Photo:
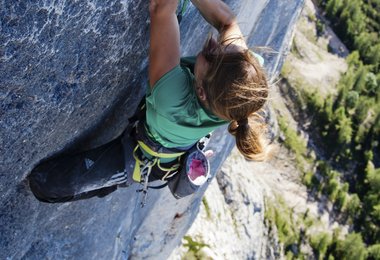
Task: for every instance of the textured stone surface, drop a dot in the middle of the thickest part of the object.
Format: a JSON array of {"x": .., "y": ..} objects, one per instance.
[{"x": 70, "y": 76}]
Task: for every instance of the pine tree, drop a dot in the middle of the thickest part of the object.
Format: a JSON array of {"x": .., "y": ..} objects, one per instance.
[
  {"x": 360, "y": 79},
  {"x": 343, "y": 125},
  {"x": 334, "y": 7},
  {"x": 374, "y": 57},
  {"x": 351, "y": 248}
]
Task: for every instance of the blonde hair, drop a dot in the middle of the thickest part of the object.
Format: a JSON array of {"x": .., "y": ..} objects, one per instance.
[{"x": 236, "y": 88}]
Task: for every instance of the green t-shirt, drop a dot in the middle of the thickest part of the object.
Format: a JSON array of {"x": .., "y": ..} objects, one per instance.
[{"x": 174, "y": 116}]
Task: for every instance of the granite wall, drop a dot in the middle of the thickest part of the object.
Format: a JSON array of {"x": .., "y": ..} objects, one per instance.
[{"x": 71, "y": 75}]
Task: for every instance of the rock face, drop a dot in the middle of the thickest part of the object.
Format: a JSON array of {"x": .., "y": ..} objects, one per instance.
[{"x": 71, "y": 75}]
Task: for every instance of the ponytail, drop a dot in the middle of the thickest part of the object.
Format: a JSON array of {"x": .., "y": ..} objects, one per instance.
[
  {"x": 250, "y": 137},
  {"x": 236, "y": 89}
]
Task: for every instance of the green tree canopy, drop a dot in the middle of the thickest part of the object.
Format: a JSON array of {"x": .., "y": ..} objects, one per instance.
[{"x": 352, "y": 248}]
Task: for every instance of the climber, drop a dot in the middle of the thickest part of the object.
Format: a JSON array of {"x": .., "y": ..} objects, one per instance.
[
  {"x": 190, "y": 97},
  {"x": 186, "y": 99}
]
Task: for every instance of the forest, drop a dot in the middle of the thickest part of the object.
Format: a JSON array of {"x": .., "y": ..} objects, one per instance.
[{"x": 348, "y": 124}]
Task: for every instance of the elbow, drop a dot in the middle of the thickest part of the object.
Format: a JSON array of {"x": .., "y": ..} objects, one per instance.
[
  {"x": 231, "y": 20},
  {"x": 228, "y": 22}
]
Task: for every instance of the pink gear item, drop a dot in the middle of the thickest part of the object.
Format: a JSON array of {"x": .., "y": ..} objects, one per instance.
[{"x": 197, "y": 172}]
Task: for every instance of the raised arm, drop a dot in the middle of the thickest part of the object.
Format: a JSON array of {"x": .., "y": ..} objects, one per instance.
[
  {"x": 164, "y": 49},
  {"x": 220, "y": 16}
]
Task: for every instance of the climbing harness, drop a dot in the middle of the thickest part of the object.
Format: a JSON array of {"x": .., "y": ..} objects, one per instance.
[
  {"x": 185, "y": 172},
  {"x": 148, "y": 166}
]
